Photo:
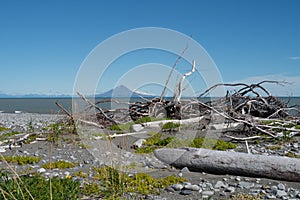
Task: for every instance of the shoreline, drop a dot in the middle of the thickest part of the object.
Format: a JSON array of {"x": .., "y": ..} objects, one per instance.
[
  {"x": 23, "y": 121},
  {"x": 78, "y": 151}
]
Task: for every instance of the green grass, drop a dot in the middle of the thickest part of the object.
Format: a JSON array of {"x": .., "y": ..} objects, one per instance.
[
  {"x": 121, "y": 127},
  {"x": 210, "y": 143},
  {"x": 22, "y": 160},
  {"x": 155, "y": 141},
  {"x": 206, "y": 143},
  {"x": 297, "y": 127},
  {"x": 57, "y": 130},
  {"x": 81, "y": 174},
  {"x": 144, "y": 120},
  {"x": 158, "y": 140},
  {"x": 38, "y": 187},
  {"x": 145, "y": 150},
  {"x": 170, "y": 126},
  {"x": 114, "y": 184},
  {"x": 292, "y": 155},
  {"x": 8, "y": 135},
  {"x": 108, "y": 183},
  {"x": 267, "y": 122},
  {"x": 3, "y": 128},
  {"x": 274, "y": 147},
  {"x": 59, "y": 164}
]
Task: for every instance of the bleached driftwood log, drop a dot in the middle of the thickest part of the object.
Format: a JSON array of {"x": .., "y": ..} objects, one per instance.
[
  {"x": 157, "y": 124},
  {"x": 222, "y": 162}
]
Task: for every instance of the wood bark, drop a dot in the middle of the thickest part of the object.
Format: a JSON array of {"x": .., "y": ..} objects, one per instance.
[{"x": 222, "y": 162}]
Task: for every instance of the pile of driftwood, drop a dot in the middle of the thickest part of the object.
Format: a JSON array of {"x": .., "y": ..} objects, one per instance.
[
  {"x": 250, "y": 106},
  {"x": 248, "y": 100}
]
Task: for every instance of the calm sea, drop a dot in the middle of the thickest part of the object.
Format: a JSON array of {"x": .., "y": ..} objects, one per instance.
[{"x": 47, "y": 105}]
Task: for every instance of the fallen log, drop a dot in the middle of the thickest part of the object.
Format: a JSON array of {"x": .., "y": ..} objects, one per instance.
[{"x": 222, "y": 162}]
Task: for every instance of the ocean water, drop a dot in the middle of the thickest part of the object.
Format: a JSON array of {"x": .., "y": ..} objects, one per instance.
[{"x": 47, "y": 105}]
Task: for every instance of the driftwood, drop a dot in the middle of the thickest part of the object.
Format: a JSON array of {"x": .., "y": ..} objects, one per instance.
[
  {"x": 171, "y": 72},
  {"x": 221, "y": 162}
]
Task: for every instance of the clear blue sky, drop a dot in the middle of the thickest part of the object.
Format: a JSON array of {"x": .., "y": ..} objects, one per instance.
[{"x": 43, "y": 43}]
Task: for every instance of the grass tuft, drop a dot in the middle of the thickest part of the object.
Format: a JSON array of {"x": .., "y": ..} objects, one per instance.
[
  {"x": 59, "y": 164},
  {"x": 22, "y": 160}
]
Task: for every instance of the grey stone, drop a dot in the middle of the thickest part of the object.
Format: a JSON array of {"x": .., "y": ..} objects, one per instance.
[
  {"x": 225, "y": 179},
  {"x": 295, "y": 145},
  {"x": 86, "y": 162},
  {"x": 177, "y": 187},
  {"x": 254, "y": 192},
  {"x": 270, "y": 196},
  {"x": 137, "y": 127},
  {"x": 281, "y": 193},
  {"x": 209, "y": 185},
  {"x": 280, "y": 186},
  {"x": 192, "y": 187},
  {"x": 169, "y": 189},
  {"x": 66, "y": 173},
  {"x": 207, "y": 193},
  {"x": 185, "y": 170},
  {"x": 246, "y": 185},
  {"x": 41, "y": 170},
  {"x": 220, "y": 184},
  {"x": 73, "y": 158},
  {"x": 230, "y": 189},
  {"x": 257, "y": 186},
  {"x": 273, "y": 189},
  {"x": 186, "y": 183},
  {"x": 185, "y": 192}
]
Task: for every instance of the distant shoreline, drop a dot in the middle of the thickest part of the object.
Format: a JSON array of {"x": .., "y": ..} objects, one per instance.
[{"x": 47, "y": 105}]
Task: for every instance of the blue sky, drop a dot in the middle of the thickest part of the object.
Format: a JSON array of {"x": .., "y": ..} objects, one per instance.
[{"x": 43, "y": 43}]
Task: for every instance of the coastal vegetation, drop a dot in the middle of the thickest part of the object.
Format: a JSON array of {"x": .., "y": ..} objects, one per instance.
[
  {"x": 22, "y": 160},
  {"x": 58, "y": 164}
]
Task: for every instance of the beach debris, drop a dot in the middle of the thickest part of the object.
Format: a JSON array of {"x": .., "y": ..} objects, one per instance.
[{"x": 222, "y": 162}]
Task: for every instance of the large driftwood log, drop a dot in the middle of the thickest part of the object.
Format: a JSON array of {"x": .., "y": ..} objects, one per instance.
[{"x": 222, "y": 162}]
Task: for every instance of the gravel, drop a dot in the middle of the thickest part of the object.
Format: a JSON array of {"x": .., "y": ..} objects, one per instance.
[{"x": 101, "y": 152}]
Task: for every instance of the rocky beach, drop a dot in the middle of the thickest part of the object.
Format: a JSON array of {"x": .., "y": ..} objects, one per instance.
[{"x": 71, "y": 148}]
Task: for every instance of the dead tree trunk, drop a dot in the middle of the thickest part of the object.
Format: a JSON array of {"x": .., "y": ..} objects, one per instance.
[{"x": 222, "y": 162}]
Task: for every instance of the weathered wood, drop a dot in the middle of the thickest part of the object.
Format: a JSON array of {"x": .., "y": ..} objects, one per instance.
[
  {"x": 222, "y": 162},
  {"x": 157, "y": 124}
]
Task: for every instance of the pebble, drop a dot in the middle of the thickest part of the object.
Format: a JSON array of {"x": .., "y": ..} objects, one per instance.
[
  {"x": 192, "y": 187},
  {"x": 220, "y": 184},
  {"x": 185, "y": 170},
  {"x": 73, "y": 158},
  {"x": 185, "y": 192},
  {"x": 270, "y": 196},
  {"x": 230, "y": 189},
  {"x": 280, "y": 186},
  {"x": 255, "y": 192},
  {"x": 246, "y": 185},
  {"x": 273, "y": 189},
  {"x": 170, "y": 189},
  {"x": 41, "y": 170},
  {"x": 281, "y": 193},
  {"x": 207, "y": 193},
  {"x": 177, "y": 187},
  {"x": 66, "y": 173}
]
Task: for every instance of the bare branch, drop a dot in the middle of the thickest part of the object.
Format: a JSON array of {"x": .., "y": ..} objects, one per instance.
[
  {"x": 98, "y": 108},
  {"x": 172, "y": 70},
  {"x": 178, "y": 96}
]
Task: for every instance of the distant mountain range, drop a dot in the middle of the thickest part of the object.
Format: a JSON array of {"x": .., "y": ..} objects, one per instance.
[{"x": 120, "y": 91}]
